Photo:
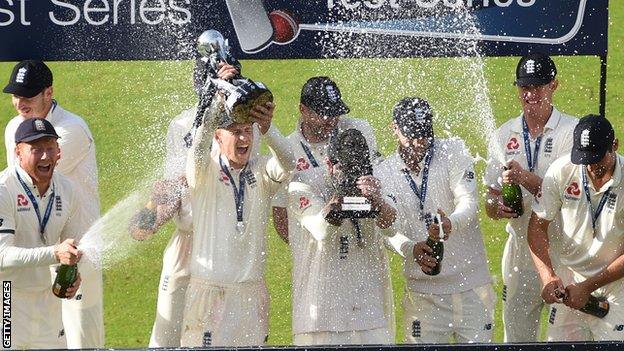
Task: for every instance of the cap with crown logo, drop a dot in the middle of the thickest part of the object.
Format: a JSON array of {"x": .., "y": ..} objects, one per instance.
[
  {"x": 593, "y": 137},
  {"x": 29, "y": 78},
  {"x": 535, "y": 69}
]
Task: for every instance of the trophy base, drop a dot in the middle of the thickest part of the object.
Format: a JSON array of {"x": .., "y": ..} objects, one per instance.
[
  {"x": 257, "y": 96},
  {"x": 353, "y": 207}
]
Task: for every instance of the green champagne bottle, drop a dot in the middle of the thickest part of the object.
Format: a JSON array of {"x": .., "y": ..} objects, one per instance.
[
  {"x": 512, "y": 198},
  {"x": 596, "y": 307},
  {"x": 438, "y": 248},
  {"x": 66, "y": 275}
]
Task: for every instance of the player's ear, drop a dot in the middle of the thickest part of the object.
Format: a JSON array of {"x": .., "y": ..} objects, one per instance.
[
  {"x": 554, "y": 84},
  {"x": 615, "y": 145}
]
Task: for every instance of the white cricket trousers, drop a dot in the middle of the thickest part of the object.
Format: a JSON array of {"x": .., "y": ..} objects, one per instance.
[
  {"x": 174, "y": 281},
  {"x": 379, "y": 336},
  {"x": 433, "y": 319},
  {"x": 36, "y": 321},
  {"x": 227, "y": 315},
  {"x": 83, "y": 316}
]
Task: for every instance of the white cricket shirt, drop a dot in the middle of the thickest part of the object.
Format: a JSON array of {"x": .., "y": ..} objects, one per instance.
[
  {"x": 338, "y": 282},
  {"x": 77, "y": 161},
  {"x": 25, "y": 257},
  {"x": 318, "y": 151},
  {"x": 451, "y": 186},
  {"x": 222, "y": 253},
  {"x": 563, "y": 192}
]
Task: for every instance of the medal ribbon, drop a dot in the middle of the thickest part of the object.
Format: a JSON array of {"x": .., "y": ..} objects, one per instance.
[
  {"x": 308, "y": 153},
  {"x": 239, "y": 192},
  {"x": 46, "y": 216},
  {"x": 531, "y": 161},
  {"x": 594, "y": 213},
  {"x": 422, "y": 193}
]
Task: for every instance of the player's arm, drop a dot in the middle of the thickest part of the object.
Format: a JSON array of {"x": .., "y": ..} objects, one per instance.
[
  {"x": 308, "y": 208},
  {"x": 280, "y": 213},
  {"x": 545, "y": 208},
  {"x": 198, "y": 157},
  {"x": 578, "y": 293},
  {"x": 371, "y": 188},
  {"x": 283, "y": 162},
  {"x": 165, "y": 201}
]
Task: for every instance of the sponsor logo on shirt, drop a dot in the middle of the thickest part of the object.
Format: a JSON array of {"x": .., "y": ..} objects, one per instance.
[
  {"x": 416, "y": 329},
  {"x": 468, "y": 176},
  {"x": 304, "y": 203},
  {"x": 59, "y": 204},
  {"x": 572, "y": 192},
  {"x": 223, "y": 178},
  {"x": 344, "y": 247},
  {"x": 22, "y": 203},
  {"x": 513, "y": 146},
  {"x": 302, "y": 164}
]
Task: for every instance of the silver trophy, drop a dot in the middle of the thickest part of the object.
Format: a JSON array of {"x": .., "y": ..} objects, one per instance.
[{"x": 241, "y": 94}]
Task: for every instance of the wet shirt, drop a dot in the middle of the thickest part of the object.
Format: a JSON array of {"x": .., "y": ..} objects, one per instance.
[
  {"x": 312, "y": 155},
  {"x": 25, "y": 253},
  {"x": 338, "y": 279},
  {"x": 223, "y": 250},
  {"x": 507, "y": 144},
  {"x": 77, "y": 162},
  {"x": 451, "y": 186},
  {"x": 584, "y": 250}
]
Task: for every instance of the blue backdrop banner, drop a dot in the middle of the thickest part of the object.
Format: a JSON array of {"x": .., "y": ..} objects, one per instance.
[{"x": 167, "y": 29}]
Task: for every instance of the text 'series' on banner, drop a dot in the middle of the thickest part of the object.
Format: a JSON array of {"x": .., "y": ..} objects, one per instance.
[{"x": 168, "y": 29}]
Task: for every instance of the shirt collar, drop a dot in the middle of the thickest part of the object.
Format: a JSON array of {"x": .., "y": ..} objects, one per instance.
[
  {"x": 551, "y": 124},
  {"x": 29, "y": 182},
  {"x": 53, "y": 113}
]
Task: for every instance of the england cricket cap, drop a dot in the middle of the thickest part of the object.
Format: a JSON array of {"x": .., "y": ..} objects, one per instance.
[
  {"x": 593, "y": 136},
  {"x": 535, "y": 69},
  {"x": 29, "y": 78},
  {"x": 322, "y": 95},
  {"x": 34, "y": 128},
  {"x": 414, "y": 118}
]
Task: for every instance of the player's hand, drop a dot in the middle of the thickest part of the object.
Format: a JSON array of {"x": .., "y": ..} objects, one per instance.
[
  {"x": 263, "y": 115},
  {"x": 503, "y": 211},
  {"x": 67, "y": 252},
  {"x": 423, "y": 256},
  {"x": 370, "y": 188},
  {"x": 332, "y": 205},
  {"x": 514, "y": 173},
  {"x": 226, "y": 71},
  {"x": 553, "y": 290},
  {"x": 73, "y": 289},
  {"x": 576, "y": 296},
  {"x": 434, "y": 228}
]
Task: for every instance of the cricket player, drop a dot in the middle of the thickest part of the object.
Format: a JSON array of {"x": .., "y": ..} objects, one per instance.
[
  {"x": 429, "y": 176},
  {"x": 32, "y": 94},
  {"x": 170, "y": 200},
  {"x": 586, "y": 187},
  {"x": 340, "y": 275},
  {"x": 322, "y": 112},
  {"x": 525, "y": 146},
  {"x": 40, "y": 224},
  {"x": 227, "y": 299}
]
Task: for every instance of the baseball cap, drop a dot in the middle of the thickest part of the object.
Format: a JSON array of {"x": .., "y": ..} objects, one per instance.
[
  {"x": 322, "y": 95},
  {"x": 535, "y": 69},
  {"x": 29, "y": 78},
  {"x": 593, "y": 136},
  {"x": 414, "y": 118},
  {"x": 34, "y": 128}
]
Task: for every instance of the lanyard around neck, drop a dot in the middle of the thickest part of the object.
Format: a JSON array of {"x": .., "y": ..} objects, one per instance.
[
  {"x": 239, "y": 192},
  {"x": 43, "y": 222},
  {"x": 531, "y": 159},
  {"x": 594, "y": 213}
]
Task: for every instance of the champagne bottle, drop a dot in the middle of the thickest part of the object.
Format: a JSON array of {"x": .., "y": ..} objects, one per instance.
[
  {"x": 66, "y": 275},
  {"x": 596, "y": 307},
  {"x": 512, "y": 197},
  {"x": 438, "y": 248}
]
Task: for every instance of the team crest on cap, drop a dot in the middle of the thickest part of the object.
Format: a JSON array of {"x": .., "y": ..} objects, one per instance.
[
  {"x": 420, "y": 115},
  {"x": 39, "y": 125},
  {"x": 573, "y": 191},
  {"x": 585, "y": 138},
  {"x": 529, "y": 66},
  {"x": 332, "y": 94},
  {"x": 21, "y": 75}
]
